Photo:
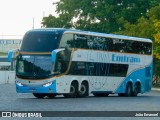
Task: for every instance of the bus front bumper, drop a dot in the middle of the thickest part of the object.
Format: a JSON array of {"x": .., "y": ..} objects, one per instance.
[{"x": 46, "y": 88}]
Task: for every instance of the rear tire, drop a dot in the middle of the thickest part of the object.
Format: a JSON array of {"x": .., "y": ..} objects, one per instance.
[
  {"x": 128, "y": 90},
  {"x": 83, "y": 90},
  {"x": 136, "y": 90},
  {"x": 39, "y": 95},
  {"x": 73, "y": 91}
]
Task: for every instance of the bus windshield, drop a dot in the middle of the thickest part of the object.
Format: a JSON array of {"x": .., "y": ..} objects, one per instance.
[
  {"x": 34, "y": 66},
  {"x": 39, "y": 41}
]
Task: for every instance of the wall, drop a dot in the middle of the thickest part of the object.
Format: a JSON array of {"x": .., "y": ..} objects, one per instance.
[
  {"x": 9, "y": 44},
  {"x": 7, "y": 77}
]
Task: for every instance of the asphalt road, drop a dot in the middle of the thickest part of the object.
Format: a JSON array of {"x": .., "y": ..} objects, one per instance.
[{"x": 12, "y": 101}]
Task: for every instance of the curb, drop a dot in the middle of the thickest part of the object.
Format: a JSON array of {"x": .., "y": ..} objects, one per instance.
[{"x": 156, "y": 89}]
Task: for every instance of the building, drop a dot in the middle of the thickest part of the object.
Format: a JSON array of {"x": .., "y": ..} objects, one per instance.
[
  {"x": 9, "y": 44},
  {"x": 7, "y": 73}
]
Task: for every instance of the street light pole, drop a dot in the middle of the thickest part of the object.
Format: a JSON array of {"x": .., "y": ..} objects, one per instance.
[{"x": 33, "y": 23}]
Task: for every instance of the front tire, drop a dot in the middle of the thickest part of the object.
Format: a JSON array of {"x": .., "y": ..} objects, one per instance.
[
  {"x": 73, "y": 91},
  {"x": 39, "y": 95}
]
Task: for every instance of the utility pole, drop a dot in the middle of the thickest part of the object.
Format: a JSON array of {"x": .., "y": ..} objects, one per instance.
[
  {"x": 2, "y": 35},
  {"x": 33, "y": 23}
]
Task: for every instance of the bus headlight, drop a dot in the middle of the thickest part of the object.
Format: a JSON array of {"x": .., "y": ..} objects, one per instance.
[
  {"x": 19, "y": 84},
  {"x": 47, "y": 84}
]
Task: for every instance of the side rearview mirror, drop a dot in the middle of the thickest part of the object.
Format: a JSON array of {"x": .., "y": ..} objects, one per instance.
[
  {"x": 54, "y": 53},
  {"x": 12, "y": 54}
]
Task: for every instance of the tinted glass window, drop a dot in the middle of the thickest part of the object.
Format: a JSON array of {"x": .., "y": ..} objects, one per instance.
[
  {"x": 107, "y": 44},
  {"x": 39, "y": 42},
  {"x": 34, "y": 66},
  {"x": 129, "y": 46},
  {"x": 111, "y": 44},
  {"x": 89, "y": 42},
  {"x": 98, "y": 69},
  {"x": 62, "y": 61},
  {"x": 67, "y": 41},
  {"x": 118, "y": 70}
]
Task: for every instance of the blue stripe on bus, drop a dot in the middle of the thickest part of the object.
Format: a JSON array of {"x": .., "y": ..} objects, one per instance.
[{"x": 144, "y": 76}]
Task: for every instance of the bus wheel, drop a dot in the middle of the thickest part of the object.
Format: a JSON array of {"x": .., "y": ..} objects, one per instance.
[
  {"x": 128, "y": 90},
  {"x": 73, "y": 91},
  {"x": 51, "y": 95},
  {"x": 39, "y": 95},
  {"x": 100, "y": 94},
  {"x": 136, "y": 90},
  {"x": 83, "y": 90}
]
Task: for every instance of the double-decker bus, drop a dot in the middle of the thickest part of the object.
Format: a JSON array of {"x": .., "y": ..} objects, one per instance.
[{"x": 75, "y": 63}]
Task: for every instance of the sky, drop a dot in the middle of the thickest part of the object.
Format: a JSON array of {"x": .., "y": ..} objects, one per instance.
[{"x": 17, "y": 16}]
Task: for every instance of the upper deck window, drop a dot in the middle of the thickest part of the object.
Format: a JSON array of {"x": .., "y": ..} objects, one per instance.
[
  {"x": 67, "y": 41},
  {"x": 40, "y": 41},
  {"x": 91, "y": 42}
]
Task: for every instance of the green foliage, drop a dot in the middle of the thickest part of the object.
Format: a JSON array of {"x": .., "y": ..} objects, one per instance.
[
  {"x": 157, "y": 39},
  {"x": 3, "y": 54},
  {"x": 52, "y": 21},
  {"x": 142, "y": 28},
  {"x": 145, "y": 26},
  {"x": 98, "y": 15}
]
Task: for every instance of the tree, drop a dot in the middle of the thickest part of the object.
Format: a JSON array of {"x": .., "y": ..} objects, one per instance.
[
  {"x": 142, "y": 28},
  {"x": 52, "y": 21},
  {"x": 157, "y": 52},
  {"x": 157, "y": 39},
  {"x": 98, "y": 15}
]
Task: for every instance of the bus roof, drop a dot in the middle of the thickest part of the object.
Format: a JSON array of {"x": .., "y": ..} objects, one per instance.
[
  {"x": 110, "y": 35},
  {"x": 93, "y": 33}
]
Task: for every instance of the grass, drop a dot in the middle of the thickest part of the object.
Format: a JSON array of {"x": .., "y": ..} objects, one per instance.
[{"x": 3, "y": 54}]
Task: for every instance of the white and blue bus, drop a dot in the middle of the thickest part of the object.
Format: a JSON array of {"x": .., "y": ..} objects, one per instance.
[{"x": 75, "y": 63}]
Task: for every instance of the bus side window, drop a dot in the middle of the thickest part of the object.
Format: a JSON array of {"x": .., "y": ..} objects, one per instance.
[
  {"x": 67, "y": 41},
  {"x": 80, "y": 41}
]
